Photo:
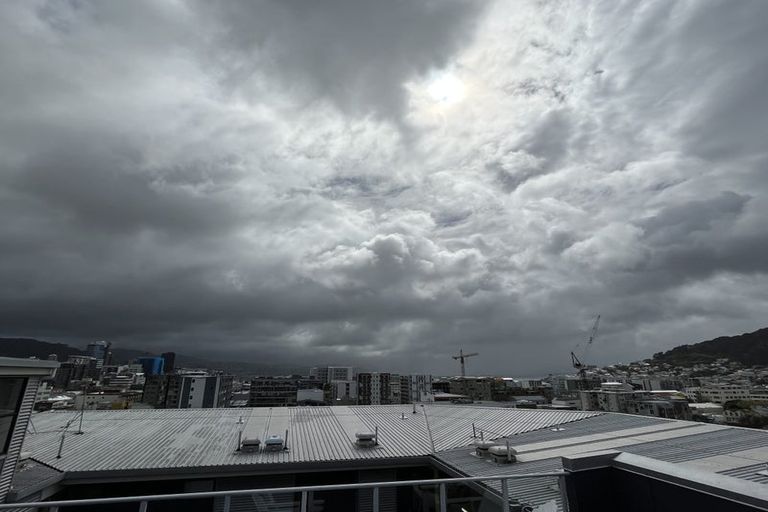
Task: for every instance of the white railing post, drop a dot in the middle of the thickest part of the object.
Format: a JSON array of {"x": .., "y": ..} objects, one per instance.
[
  {"x": 505, "y": 495},
  {"x": 227, "y": 503},
  {"x": 443, "y": 499},
  {"x": 142, "y": 506},
  {"x": 303, "y": 501},
  {"x": 375, "y": 499}
]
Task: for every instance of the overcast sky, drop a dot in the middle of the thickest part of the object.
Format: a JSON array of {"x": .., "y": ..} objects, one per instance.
[{"x": 384, "y": 182}]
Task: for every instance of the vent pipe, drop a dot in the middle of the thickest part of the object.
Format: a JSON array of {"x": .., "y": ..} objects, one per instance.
[
  {"x": 61, "y": 446},
  {"x": 285, "y": 445},
  {"x": 376, "y": 435}
]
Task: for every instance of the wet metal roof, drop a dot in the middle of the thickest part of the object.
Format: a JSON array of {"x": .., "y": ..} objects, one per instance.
[
  {"x": 200, "y": 440},
  {"x": 175, "y": 439}
]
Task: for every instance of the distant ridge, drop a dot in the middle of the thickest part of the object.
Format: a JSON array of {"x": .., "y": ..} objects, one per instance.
[
  {"x": 30, "y": 347},
  {"x": 749, "y": 349}
]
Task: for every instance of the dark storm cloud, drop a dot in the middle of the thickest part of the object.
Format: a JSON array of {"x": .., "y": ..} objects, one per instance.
[{"x": 381, "y": 183}]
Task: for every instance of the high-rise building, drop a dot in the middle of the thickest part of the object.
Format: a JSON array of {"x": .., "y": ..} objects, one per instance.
[
  {"x": 76, "y": 368},
  {"x": 279, "y": 391},
  {"x": 184, "y": 391},
  {"x": 373, "y": 388},
  {"x": 476, "y": 388},
  {"x": 332, "y": 373},
  {"x": 151, "y": 365},
  {"x": 420, "y": 388},
  {"x": 169, "y": 362},
  {"x": 97, "y": 350},
  {"x": 343, "y": 392}
]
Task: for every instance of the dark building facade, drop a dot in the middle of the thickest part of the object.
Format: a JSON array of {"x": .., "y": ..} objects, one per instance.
[
  {"x": 169, "y": 362},
  {"x": 180, "y": 391},
  {"x": 374, "y": 388},
  {"x": 279, "y": 391}
]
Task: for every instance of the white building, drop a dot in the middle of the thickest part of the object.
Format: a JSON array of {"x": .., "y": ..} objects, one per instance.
[
  {"x": 721, "y": 393},
  {"x": 344, "y": 390}
]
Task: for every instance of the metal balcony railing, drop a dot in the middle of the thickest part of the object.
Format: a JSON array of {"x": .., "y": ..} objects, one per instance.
[{"x": 142, "y": 502}]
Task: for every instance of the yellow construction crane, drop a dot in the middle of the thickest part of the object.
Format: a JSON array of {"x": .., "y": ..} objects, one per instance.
[{"x": 461, "y": 358}]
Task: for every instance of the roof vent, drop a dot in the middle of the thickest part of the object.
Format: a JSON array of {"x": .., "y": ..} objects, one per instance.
[
  {"x": 367, "y": 439},
  {"x": 482, "y": 447},
  {"x": 251, "y": 445},
  {"x": 501, "y": 454},
  {"x": 273, "y": 443}
]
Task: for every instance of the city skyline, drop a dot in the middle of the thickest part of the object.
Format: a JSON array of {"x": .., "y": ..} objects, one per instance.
[{"x": 384, "y": 184}]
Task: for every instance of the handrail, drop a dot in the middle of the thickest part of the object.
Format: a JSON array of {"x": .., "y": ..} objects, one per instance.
[{"x": 275, "y": 490}]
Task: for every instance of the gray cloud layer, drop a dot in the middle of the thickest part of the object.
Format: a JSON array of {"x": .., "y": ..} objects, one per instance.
[{"x": 384, "y": 183}]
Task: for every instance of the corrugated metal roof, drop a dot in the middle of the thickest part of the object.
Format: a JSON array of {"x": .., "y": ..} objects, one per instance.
[
  {"x": 534, "y": 491},
  {"x": 454, "y": 424},
  {"x": 700, "y": 446},
  {"x": 192, "y": 438},
  {"x": 199, "y": 438},
  {"x": 748, "y": 473},
  {"x": 588, "y": 426}
]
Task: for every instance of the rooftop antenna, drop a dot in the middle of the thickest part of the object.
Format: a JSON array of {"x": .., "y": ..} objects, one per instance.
[
  {"x": 239, "y": 434},
  {"x": 61, "y": 443},
  {"x": 461, "y": 357},
  {"x": 82, "y": 409}
]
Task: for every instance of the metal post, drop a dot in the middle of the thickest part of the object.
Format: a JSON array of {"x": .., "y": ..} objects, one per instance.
[
  {"x": 375, "y": 499},
  {"x": 61, "y": 445},
  {"x": 474, "y": 432},
  {"x": 376, "y": 435},
  {"x": 53, "y": 509},
  {"x": 303, "y": 501},
  {"x": 82, "y": 409},
  {"x": 563, "y": 492},
  {"x": 143, "y": 506},
  {"x": 227, "y": 503},
  {"x": 505, "y": 495},
  {"x": 481, "y": 436},
  {"x": 285, "y": 445},
  {"x": 443, "y": 499}
]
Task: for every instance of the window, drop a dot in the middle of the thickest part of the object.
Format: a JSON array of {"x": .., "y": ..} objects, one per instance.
[{"x": 11, "y": 390}]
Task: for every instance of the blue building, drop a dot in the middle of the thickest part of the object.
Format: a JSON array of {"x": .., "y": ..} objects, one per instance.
[{"x": 152, "y": 365}]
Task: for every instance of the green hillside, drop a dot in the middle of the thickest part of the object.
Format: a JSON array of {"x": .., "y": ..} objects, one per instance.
[{"x": 749, "y": 349}]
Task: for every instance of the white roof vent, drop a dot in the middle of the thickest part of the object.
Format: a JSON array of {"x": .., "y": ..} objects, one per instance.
[
  {"x": 482, "y": 447},
  {"x": 367, "y": 439},
  {"x": 502, "y": 454},
  {"x": 273, "y": 443}
]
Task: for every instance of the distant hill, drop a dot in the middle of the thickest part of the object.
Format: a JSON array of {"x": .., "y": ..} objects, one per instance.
[
  {"x": 749, "y": 349},
  {"x": 28, "y": 347}
]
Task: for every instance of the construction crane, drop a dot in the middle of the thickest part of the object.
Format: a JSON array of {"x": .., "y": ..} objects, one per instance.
[
  {"x": 581, "y": 367},
  {"x": 461, "y": 358}
]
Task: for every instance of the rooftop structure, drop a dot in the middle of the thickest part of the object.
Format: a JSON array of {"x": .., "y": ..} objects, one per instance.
[{"x": 121, "y": 446}]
